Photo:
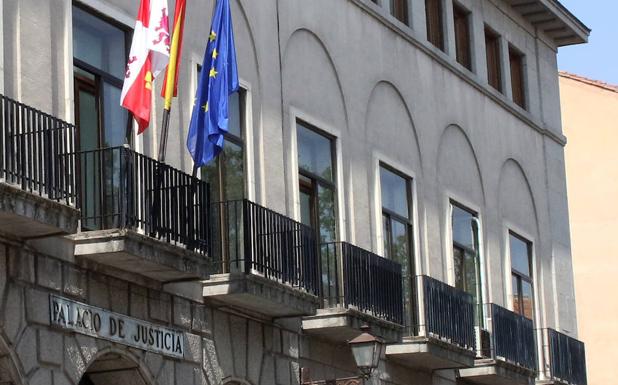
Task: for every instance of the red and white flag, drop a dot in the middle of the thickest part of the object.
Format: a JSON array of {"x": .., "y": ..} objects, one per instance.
[{"x": 150, "y": 52}]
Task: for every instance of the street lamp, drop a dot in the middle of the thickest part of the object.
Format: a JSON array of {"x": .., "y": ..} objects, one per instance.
[{"x": 367, "y": 350}]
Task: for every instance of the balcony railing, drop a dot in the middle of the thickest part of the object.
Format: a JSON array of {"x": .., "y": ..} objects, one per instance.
[
  {"x": 249, "y": 238},
  {"x": 566, "y": 358},
  {"x": 447, "y": 313},
  {"x": 368, "y": 282},
  {"x": 122, "y": 189},
  {"x": 512, "y": 338},
  {"x": 32, "y": 144}
]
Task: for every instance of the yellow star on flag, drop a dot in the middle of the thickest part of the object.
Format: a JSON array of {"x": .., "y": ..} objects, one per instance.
[
  {"x": 215, "y": 54},
  {"x": 212, "y": 36},
  {"x": 213, "y": 72},
  {"x": 205, "y": 107}
]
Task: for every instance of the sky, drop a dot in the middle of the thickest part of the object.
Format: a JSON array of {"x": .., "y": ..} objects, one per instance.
[{"x": 598, "y": 59}]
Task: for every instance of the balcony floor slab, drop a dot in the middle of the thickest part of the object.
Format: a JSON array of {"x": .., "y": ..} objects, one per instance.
[
  {"x": 497, "y": 372},
  {"x": 429, "y": 354},
  {"x": 340, "y": 324},
  {"x": 259, "y": 295},
  {"x": 27, "y": 215},
  {"x": 130, "y": 251}
]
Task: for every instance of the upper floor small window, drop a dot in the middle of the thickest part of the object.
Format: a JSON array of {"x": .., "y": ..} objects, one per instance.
[
  {"x": 435, "y": 25},
  {"x": 494, "y": 66},
  {"x": 516, "y": 60},
  {"x": 521, "y": 272},
  {"x": 462, "y": 36},
  {"x": 399, "y": 9}
]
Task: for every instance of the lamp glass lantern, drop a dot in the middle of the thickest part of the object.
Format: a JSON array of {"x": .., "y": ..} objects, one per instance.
[{"x": 367, "y": 350}]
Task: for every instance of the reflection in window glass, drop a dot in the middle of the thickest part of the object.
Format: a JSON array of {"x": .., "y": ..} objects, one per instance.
[
  {"x": 466, "y": 259},
  {"x": 521, "y": 270},
  {"x": 314, "y": 153},
  {"x": 98, "y": 43},
  {"x": 114, "y": 118},
  {"x": 397, "y": 230}
]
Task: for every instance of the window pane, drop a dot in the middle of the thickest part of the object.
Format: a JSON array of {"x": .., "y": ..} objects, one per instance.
[
  {"x": 520, "y": 257},
  {"x": 400, "y": 246},
  {"x": 305, "y": 209},
  {"x": 326, "y": 213},
  {"x": 314, "y": 153},
  {"x": 527, "y": 299},
  {"x": 462, "y": 36},
  {"x": 210, "y": 174},
  {"x": 464, "y": 230},
  {"x": 98, "y": 43},
  {"x": 386, "y": 234},
  {"x": 517, "y": 77},
  {"x": 516, "y": 295},
  {"x": 88, "y": 121},
  {"x": 234, "y": 110},
  {"x": 433, "y": 13},
  {"x": 115, "y": 118},
  {"x": 394, "y": 192},
  {"x": 494, "y": 69},
  {"x": 458, "y": 266},
  {"x": 233, "y": 165}
]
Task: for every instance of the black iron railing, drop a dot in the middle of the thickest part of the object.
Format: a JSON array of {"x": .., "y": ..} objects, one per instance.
[
  {"x": 249, "y": 238},
  {"x": 32, "y": 144},
  {"x": 447, "y": 313},
  {"x": 370, "y": 283},
  {"x": 566, "y": 360},
  {"x": 512, "y": 337},
  {"x": 120, "y": 188}
]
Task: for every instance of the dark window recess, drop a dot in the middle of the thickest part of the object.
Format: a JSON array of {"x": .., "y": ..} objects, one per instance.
[
  {"x": 399, "y": 9},
  {"x": 517, "y": 77},
  {"x": 462, "y": 36},
  {"x": 435, "y": 28},
  {"x": 492, "y": 49}
]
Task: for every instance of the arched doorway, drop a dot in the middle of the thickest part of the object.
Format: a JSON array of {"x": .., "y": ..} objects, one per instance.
[{"x": 114, "y": 369}]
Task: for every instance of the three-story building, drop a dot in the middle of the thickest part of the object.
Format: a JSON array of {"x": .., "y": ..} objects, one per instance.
[{"x": 393, "y": 163}]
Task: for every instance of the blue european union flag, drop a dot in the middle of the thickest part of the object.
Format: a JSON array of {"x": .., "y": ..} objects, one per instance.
[{"x": 218, "y": 79}]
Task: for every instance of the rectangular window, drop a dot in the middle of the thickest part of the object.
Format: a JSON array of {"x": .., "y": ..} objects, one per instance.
[
  {"x": 435, "y": 25},
  {"x": 396, "y": 193},
  {"x": 521, "y": 271},
  {"x": 317, "y": 181},
  {"x": 516, "y": 60},
  {"x": 466, "y": 257},
  {"x": 226, "y": 173},
  {"x": 494, "y": 67},
  {"x": 99, "y": 59},
  {"x": 462, "y": 36},
  {"x": 399, "y": 9}
]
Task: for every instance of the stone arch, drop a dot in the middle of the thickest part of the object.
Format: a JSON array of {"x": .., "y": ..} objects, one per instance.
[
  {"x": 515, "y": 198},
  {"x": 10, "y": 369},
  {"x": 111, "y": 366},
  {"x": 387, "y": 111},
  {"x": 458, "y": 168},
  {"x": 311, "y": 81}
]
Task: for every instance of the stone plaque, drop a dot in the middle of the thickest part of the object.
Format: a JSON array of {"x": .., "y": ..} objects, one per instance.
[{"x": 96, "y": 322}]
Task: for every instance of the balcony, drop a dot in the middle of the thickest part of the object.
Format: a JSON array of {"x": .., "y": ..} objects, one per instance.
[
  {"x": 511, "y": 357},
  {"x": 141, "y": 216},
  {"x": 358, "y": 287},
  {"x": 565, "y": 359},
  {"x": 266, "y": 263},
  {"x": 443, "y": 332},
  {"x": 35, "y": 182}
]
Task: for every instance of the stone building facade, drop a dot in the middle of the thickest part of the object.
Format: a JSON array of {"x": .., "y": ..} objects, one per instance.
[{"x": 426, "y": 132}]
